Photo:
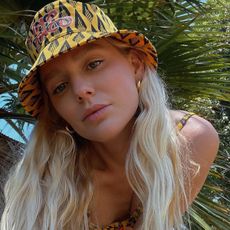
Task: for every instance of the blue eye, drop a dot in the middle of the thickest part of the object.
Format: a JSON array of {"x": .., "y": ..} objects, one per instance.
[
  {"x": 94, "y": 64},
  {"x": 60, "y": 88}
]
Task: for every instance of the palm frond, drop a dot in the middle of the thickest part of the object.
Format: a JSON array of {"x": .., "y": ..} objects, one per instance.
[{"x": 192, "y": 38}]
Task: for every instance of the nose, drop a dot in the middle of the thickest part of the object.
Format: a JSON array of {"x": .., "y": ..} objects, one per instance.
[{"x": 83, "y": 90}]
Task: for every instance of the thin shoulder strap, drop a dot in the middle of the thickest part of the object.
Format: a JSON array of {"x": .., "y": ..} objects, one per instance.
[{"x": 183, "y": 120}]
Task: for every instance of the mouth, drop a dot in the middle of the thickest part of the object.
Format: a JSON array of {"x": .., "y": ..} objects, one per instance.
[{"x": 93, "y": 110}]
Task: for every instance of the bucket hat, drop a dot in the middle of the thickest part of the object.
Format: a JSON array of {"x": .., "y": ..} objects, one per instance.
[{"x": 62, "y": 26}]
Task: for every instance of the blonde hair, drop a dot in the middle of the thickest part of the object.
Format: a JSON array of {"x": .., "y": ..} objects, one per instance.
[{"x": 51, "y": 187}]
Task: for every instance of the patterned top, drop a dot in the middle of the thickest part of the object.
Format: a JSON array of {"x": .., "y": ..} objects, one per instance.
[
  {"x": 129, "y": 223},
  {"x": 122, "y": 225},
  {"x": 183, "y": 120}
]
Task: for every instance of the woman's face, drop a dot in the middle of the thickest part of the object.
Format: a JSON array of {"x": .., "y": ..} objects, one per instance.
[{"x": 93, "y": 88}]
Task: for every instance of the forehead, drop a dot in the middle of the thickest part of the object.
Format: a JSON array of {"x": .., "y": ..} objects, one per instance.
[
  {"x": 100, "y": 44},
  {"x": 81, "y": 51},
  {"x": 77, "y": 54}
]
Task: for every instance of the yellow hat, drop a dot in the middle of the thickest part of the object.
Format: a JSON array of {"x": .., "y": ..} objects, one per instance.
[{"x": 61, "y": 26}]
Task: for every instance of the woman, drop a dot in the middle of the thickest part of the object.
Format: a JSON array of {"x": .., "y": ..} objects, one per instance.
[{"x": 107, "y": 152}]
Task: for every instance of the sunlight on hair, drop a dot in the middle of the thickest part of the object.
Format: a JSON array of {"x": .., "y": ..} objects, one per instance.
[{"x": 51, "y": 187}]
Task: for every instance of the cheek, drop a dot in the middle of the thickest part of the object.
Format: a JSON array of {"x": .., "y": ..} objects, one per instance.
[
  {"x": 119, "y": 83},
  {"x": 124, "y": 95},
  {"x": 65, "y": 108},
  {"x": 120, "y": 78},
  {"x": 125, "y": 88}
]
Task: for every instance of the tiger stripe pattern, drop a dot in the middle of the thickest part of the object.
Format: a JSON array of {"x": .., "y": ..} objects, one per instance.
[{"x": 61, "y": 26}]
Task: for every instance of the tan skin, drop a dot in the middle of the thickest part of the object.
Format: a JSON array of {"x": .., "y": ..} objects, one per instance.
[{"x": 90, "y": 75}]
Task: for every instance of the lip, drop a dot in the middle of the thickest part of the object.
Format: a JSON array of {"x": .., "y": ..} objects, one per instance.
[{"x": 93, "y": 109}]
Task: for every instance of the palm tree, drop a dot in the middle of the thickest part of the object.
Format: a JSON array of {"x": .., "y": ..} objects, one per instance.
[
  {"x": 192, "y": 39},
  {"x": 10, "y": 153}
]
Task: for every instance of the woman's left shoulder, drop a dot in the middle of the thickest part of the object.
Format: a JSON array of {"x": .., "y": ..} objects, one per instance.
[
  {"x": 203, "y": 141},
  {"x": 200, "y": 132},
  {"x": 197, "y": 129}
]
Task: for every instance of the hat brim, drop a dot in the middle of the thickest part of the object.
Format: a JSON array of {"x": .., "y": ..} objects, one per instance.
[{"x": 30, "y": 92}]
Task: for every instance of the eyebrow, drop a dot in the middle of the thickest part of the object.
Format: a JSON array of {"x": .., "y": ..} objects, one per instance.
[
  {"x": 88, "y": 47},
  {"x": 49, "y": 76},
  {"x": 81, "y": 53}
]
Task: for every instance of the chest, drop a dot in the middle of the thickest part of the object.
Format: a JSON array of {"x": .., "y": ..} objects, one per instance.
[{"x": 113, "y": 199}]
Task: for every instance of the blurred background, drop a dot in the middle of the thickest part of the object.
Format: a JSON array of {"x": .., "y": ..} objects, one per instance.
[{"x": 193, "y": 43}]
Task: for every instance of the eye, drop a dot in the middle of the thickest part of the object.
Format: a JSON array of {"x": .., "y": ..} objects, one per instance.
[
  {"x": 94, "y": 64},
  {"x": 60, "y": 88}
]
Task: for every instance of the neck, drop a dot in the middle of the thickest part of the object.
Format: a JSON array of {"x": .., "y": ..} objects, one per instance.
[{"x": 111, "y": 155}]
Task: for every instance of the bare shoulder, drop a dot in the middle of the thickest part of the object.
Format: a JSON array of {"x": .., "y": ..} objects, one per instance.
[
  {"x": 203, "y": 140},
  {"x": 197, "y": 129}
]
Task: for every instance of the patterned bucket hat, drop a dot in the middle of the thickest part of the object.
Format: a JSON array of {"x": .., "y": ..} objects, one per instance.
[{"x": 61, "y": 26}]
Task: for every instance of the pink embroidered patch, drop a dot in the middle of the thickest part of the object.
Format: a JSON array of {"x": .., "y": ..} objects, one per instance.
[{"x": 48, "y": 24}]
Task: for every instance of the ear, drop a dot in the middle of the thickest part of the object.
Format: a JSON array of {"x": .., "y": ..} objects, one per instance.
[{"x": 137, "y": 64}]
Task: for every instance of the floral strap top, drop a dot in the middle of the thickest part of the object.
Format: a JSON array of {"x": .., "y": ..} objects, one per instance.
[
  {"x": 184, "y": 119},
  {"x": 128, "y": 224}
]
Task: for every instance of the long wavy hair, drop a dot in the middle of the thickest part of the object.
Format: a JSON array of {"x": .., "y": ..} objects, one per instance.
[{"x": 51, "y": 187}]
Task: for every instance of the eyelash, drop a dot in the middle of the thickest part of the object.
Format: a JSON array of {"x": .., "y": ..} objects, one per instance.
[
  {"x": 59, "y": 88},
  {"x": 97, "y": 62}
]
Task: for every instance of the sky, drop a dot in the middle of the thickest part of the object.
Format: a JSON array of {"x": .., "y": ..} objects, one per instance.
[
  {"x": 10, "y": 132},
  {"x": 5, "y": 128}
]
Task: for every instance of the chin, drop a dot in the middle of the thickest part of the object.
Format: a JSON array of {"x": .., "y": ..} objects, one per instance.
[
  {"x": 103, "y": 137},
  {"x": 107, "y": 132}
]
